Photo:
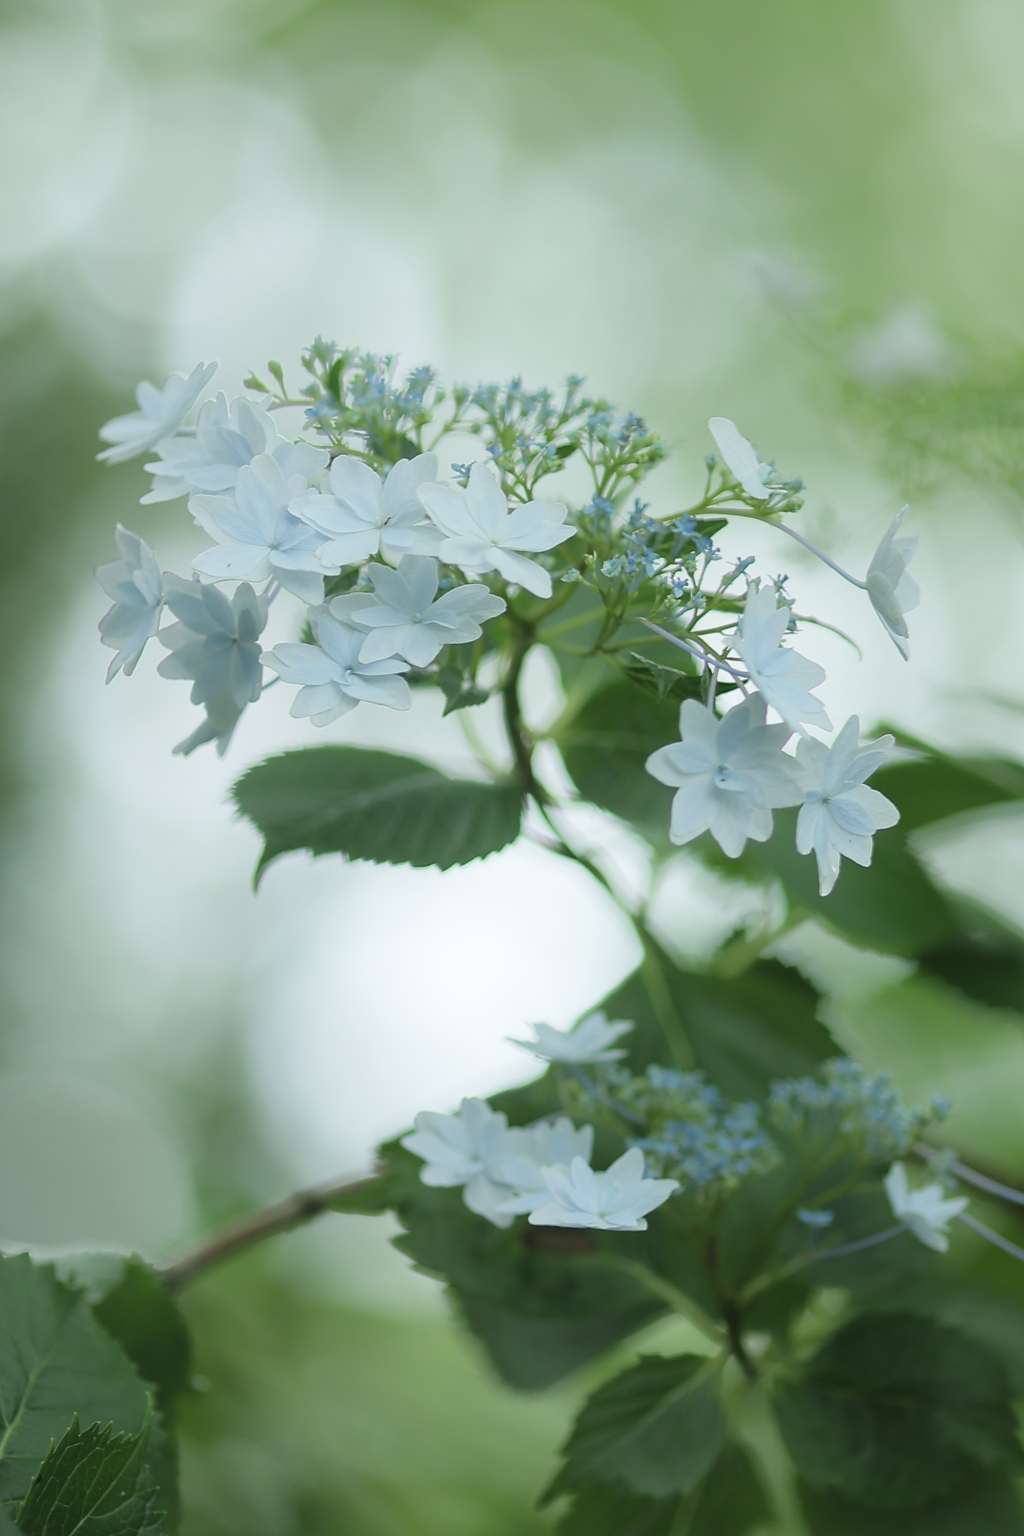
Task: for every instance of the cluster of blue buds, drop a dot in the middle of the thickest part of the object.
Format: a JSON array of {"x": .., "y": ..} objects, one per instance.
[{"x": 844, "y": 1101}]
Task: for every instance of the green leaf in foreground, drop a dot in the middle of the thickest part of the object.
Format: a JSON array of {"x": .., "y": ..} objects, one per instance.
[
  {"x": 657, "y": 1429},
  {"x": 93, "y": 1483},
  {"x": 376, "y": 806},
  {"x": 605, "y": 746},
  {"x": 56, "y": 1362},
  {"x": 986, "y": 1505},
  {"x": 729, "y": 1502},
  {"x": 895, "y": 1410}
]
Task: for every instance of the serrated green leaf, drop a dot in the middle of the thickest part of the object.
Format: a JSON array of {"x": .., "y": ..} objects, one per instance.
[
  {"x": 55, "y": 1362},
  {"x": 147, "y": 1323},
  {"x": 605, "y": 746},
  {"x": 729, "y": 1502},
  {"x": 661, "y": 681},
  {"x": 984, "y": 959},
  {"x": 937, "y": 786},
  {"x": 93, "y": 1482},
  {"x": 656, "y": 1429},
  {"x": 896, "y": 1410},
  {"x": 983, "y": 1506},
  {"x": 600, "y": 1511},
  {"x": 460, "y": 691},
  {"x": 376, "y": 806},
  {"x": 743, "y": 1031}
]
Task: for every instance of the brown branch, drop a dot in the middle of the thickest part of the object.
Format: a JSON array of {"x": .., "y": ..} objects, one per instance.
[{"x": 305, "y": 1205}]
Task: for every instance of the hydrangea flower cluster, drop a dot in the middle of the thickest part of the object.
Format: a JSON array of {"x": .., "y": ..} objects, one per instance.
[
  {"x": 844, "y": 1101},
  {"x": 416, "y": 568}
]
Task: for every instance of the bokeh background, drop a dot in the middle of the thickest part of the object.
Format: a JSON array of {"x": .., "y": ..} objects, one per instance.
[{"x": 803, "y": 214}]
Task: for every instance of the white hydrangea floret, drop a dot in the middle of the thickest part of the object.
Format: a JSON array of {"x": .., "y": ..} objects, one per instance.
[
  {"x": 257, "y": 537},
  {"x": 160, "y": 412},
  {"x": 740, "y": 457},
  {"x": 481, "y": 534},
  {"x": 614, "y": 1201},
  {"x": 226, "y": 438},
  {"x": 891, "y": 588},
  {"x": 405, "y": 616},
  {"x": 137, "y": 587},
  {"x": 331, "y": 678},
  {"x": 520, "y": 1163},
  {"x": 362, "y": 515},
  {"x": 925, "y": 1212},
  {"x": 216, "y": 645},
  {"x": 459, "y": 1149},
  {"x": 840, "y": 813},
  {"x": 728, "y": 774},
  {"x": 783, "y": 676},
  {"x": 586, "y": 1044}
]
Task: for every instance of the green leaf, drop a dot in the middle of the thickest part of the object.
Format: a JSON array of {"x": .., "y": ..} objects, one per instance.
[
  {"x": 985, "y": 959},
  {"x": 657, "y": 1429},
  {"x": 982, "y": 1506},
  {"x": 661, "y": 681},
  {"x": 937, "y": 786},
  {"x": 605, "y": 746},
  {"x": 55, "y": 1362},
  {"x": 895, "y": 1410},
  {"x": 729, "y": 1502},
  {"x": 376, "y": 806},
  {"x": 93, "y": 1483},
  {"x": 743, "y": 1031},
  {"x": 148, "y": 1325}
]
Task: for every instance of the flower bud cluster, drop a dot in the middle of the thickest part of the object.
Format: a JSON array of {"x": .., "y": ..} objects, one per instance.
[{"x": 843, "y": 1102}]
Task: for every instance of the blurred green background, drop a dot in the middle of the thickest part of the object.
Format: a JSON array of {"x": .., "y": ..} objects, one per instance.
[{"x": 800, "y": 213}]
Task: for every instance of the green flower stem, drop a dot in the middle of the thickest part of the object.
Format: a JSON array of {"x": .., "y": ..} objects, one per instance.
[{"x": 771, "y": 522}]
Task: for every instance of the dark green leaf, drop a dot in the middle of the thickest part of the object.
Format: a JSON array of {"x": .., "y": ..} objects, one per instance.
[
  {"x": 657, "y": 1429},
  {"x": 895, "y": 1410},
  {"x": 985, "y": 959},
  {"x": 149, "y": 1327},
  {"x": 729, "y": 1502},
  {"x": 55, "y": 1361},
  {"x": 93, "y": 1483},
  {"x": 936, "y": 786},
  {"x": 376, "y": 806},
  {"x": 661, "y": 681},
  {"x": 985, "y": 1505},
  {"x": 743, "y": 1031},
  {"x": 606, "y": 745}
]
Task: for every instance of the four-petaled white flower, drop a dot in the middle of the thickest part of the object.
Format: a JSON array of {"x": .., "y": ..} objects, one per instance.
[
  {"x": 362, "y": 515},
  {"x": 137, "y": 587},
  {"x": 225, "y": 439},
  {"x": 729, "y": 774},
  {"x": 924, "y": 1212},
  {"x": 459, "y": 1149},
  {"x": 332, "y": 680},
  {"x": 614, "y": 1201},
  {"x": 522, "y": 1158},
  {"x": 161, "y": 412},
  {"x": 481, "y": 534},
  {"x": 216, "y": 644},
  {"x": 588, "y": 1042},
  {"x": 739, "y": 456},
  {"x": 840, "y": 814},
  {"x": 257, "y": 535},
  {"x": 405, "y": 616},
  {"x": 891, "y": 588},
  {"x": 783, "y": 676}
]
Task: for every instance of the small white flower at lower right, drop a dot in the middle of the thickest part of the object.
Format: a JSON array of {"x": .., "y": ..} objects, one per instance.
[
  {"x": 840, "y": 814},
  {"x": 614, "y": 1201},
  {"x": 924, "y": 1212}
]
